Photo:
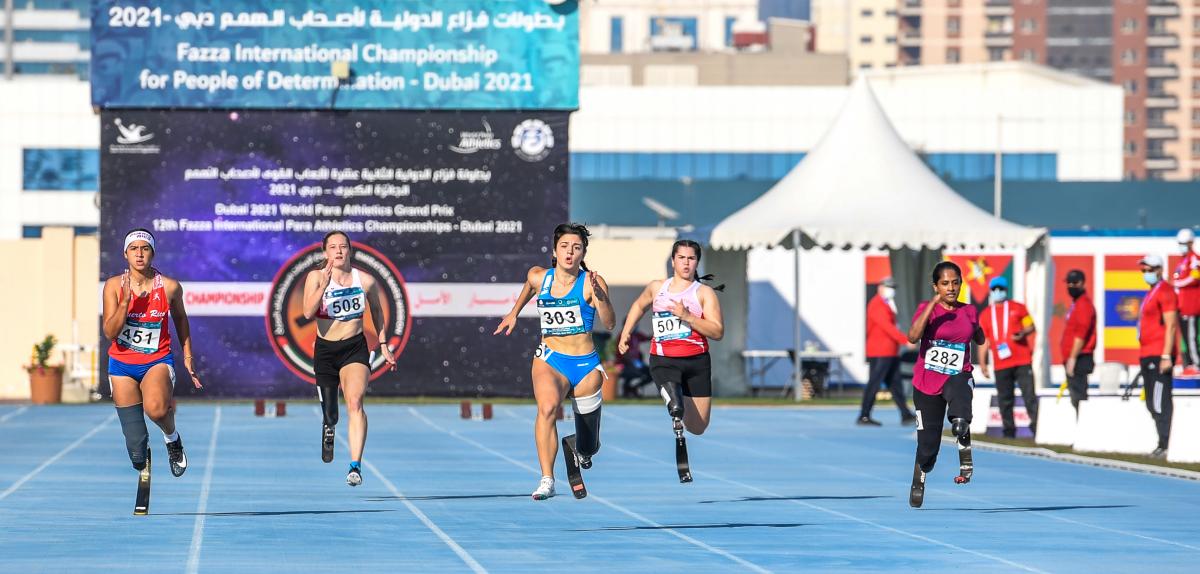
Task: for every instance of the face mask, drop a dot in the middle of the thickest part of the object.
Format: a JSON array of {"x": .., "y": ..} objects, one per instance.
[
  {"x": 887, "y": 293},
  {"x": 1183, "y": 249},
  {"x": 999, "y": 295},
  {"x": 1075, "y": 292},
  {"x": 1151, "y": 277}
]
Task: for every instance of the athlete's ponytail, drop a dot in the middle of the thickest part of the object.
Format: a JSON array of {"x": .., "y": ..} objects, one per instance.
[
  {"x": 570, "y": 229},
  {"x": 699, "y": 253}
]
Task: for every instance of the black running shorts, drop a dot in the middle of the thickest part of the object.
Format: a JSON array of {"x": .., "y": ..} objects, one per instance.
[
  {"x": 693, "y": 374},
  {"x": 330, "y": 356}
]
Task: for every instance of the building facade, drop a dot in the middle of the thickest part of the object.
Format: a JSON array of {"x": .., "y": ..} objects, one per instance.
[{"x": 47, "y": 37}]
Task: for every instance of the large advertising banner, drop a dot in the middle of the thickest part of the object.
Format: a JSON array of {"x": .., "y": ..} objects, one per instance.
[
  {"x": 336, "y": 54},
  {"x": 447, "y": 211}
]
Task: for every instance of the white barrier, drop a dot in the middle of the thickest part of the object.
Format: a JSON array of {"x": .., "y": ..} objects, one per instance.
[
  {"x": 1109, "y": 424},
  {"x": 981, "y": 409},
  {"x": 1185, "y": 431},
  {"x": 1056, "y": 421}
]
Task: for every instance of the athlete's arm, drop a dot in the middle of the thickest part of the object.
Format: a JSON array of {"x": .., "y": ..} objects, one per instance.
[
  {"x": 917, "y": 329},
  {"x": 1168, "y": 355},
  {"x": 601, "y": 302},
  {"x": 183, "y": 329},
  {"x": 532, "y": 280},
  {"x": 710, "y": 325},
  {"x": 636, "y": 310},
  {"x": 375, "y": 302},
  {"x": 314, "y": 286},
  {"x": 116, "y": 304}
]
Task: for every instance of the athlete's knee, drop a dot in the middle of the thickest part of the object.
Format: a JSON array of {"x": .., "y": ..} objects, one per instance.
[
  {"x": 696, "y": 427},
  {"x": 587, "y": 404},
  {"x": 354, "y": 405},
  {"x": 548, "y": 410},
  {"x": 157, "y": 409}
]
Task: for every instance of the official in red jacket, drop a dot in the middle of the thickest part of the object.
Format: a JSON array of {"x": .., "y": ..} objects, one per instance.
[
  {"x": 1079, "y": 338},
  {"x": 1186, "y": 281},
  {"x": 1157, "y": 323},
  {"x": 883, "y": 347},
  {"x": 1009, "y": 346}
]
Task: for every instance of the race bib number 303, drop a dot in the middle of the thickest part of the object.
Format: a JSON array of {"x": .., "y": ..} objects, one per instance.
[
  {"x": 560, "y": 317},
  {"x": 140, "y": 336},
  {"x": 668, "y": 327},
  {"x": 946, "y": 357}
]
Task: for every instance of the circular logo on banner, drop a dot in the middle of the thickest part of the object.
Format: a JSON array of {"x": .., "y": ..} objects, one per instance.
[
  {"x": 293, "y": 337},
  {"x": 533, "y": 139}
]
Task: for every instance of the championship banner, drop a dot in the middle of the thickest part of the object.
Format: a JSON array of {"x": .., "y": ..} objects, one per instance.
[
  {"x": 344, "y": 54},
  {"x": 446, "y": 211}
]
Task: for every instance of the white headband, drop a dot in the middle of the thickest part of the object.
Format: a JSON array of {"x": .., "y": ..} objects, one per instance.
[{"x": 137, "y": 235}]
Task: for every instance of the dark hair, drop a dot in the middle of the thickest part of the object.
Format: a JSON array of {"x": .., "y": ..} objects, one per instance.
[
  {"x": 325, "y": 240},
  {"x": 942, "y": 268},
  {"x": 571, "y": 229},
  {"x": 699, "y": 253}
]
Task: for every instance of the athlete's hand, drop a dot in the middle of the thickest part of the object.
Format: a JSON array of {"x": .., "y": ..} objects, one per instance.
[
  {"x": 597, "y": 291},
  {"x": 187, "y": 363},
  {"x": 327, "y": 272},
  {"x": 388, "y": 356},
  {"x": 1070, "y": 367},
  {"x": 680, "y": 311},
  {"x": 507, "y": 324},
  {"x": 1164, "y": 365},
  {"x": 623, "y": 344},
  {"x": 986, "y": 371},
  {"x": 125, "y": 289}
]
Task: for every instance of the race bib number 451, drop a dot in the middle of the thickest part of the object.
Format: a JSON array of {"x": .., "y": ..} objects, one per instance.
[
  {"x": 140, "y": 336},
  {"x": 946, "y": 357}
]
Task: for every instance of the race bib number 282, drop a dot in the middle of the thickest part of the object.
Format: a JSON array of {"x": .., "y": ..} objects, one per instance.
[{"x": 946, "y": 357}]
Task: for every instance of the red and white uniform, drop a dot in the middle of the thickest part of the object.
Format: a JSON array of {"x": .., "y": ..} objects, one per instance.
[
  {"x": 672, "y": 337},
  {"x": 1186, "y": 280},
  {"x": 145, "y": 337}
]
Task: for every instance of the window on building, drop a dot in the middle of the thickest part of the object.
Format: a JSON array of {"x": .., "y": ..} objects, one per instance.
[
  {"x": 891, "y": 13},
  {"x": 1196, "y": 85},
  {"x": 865, "y": 66},
  {"x": 953, "y": 3},
  {"x": 867, "y": 12},
  {"x": 1195, "y": 148},
  {"x": 729, "y": 22},
  {"x": 1196, "y": 23},
  {"x": 953, "y": 55},
  {"x": 1130, "y": 148},
  {"x": 1196, "y": 117},
  {"x": 1129, "y": 56},
  {"x": 1130, "y": 117},
  {"x": 60, "y": 169},
  {"x": 1196, "y": 55},
  {"x": 1029, "y": 55},
  {"x": 1028, "y": 26},
  {"x": 864, "y": 40},
  {"x": 31, "y": 231},
  {"x": 996, "y": 54},
  {"x": 890, "y": 40},
  {"x": 616, "y": 31},
  {"x": 1131, "y": 86},
  {"x": 1129, "y": 26},
  {"x": 953, "y": 24},
  {"x": 674, "y": 33}
]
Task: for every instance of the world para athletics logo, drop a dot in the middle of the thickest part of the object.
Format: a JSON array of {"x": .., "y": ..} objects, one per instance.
[{"x": 293, "y": 337}]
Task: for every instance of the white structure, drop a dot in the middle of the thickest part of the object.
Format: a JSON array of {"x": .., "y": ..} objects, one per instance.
[
  {"x": 56, "y": 39},
  {"x": 44, "y": 113},
  {"x": 660, "y": 25},
  {"x": 1016, "y": 107}
]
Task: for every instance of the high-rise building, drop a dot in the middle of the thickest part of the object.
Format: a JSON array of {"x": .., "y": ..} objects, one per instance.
[
  {"x": 47, "y": 37},
  {"x": 865, "y": 30},
  {"x": 1151, "y": 48}
]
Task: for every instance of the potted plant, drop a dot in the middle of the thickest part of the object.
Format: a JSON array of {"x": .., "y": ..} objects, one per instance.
[{"x": 45, "y": 380}]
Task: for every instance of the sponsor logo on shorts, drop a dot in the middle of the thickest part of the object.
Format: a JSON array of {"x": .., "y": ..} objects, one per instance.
[{"x": 293, "y": 337}]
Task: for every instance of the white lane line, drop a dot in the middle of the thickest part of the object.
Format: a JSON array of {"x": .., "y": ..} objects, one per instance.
[
  {"x": 55, "y": 458},
  {"x": 17, "y": 412},
  {"x": 466, "y": 557},
  {"x": 612, "y": 505},
  {"x": 193, "y": 563},
  {"x": 844, "y": 515}
]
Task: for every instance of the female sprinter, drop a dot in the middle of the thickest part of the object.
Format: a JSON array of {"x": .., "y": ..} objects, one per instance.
[
  {"x": 942, "y": 383},
  {"x": 686, "y": 315},
  {"x": 568, "y": 299},
  {"x": 338, "y": 295},
  {"x": 141, "y": 369}
]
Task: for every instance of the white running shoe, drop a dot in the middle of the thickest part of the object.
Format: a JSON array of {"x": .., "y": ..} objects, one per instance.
[
  {"x": 354, "y": 477},
  {"x": 545, "y": 489}
]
